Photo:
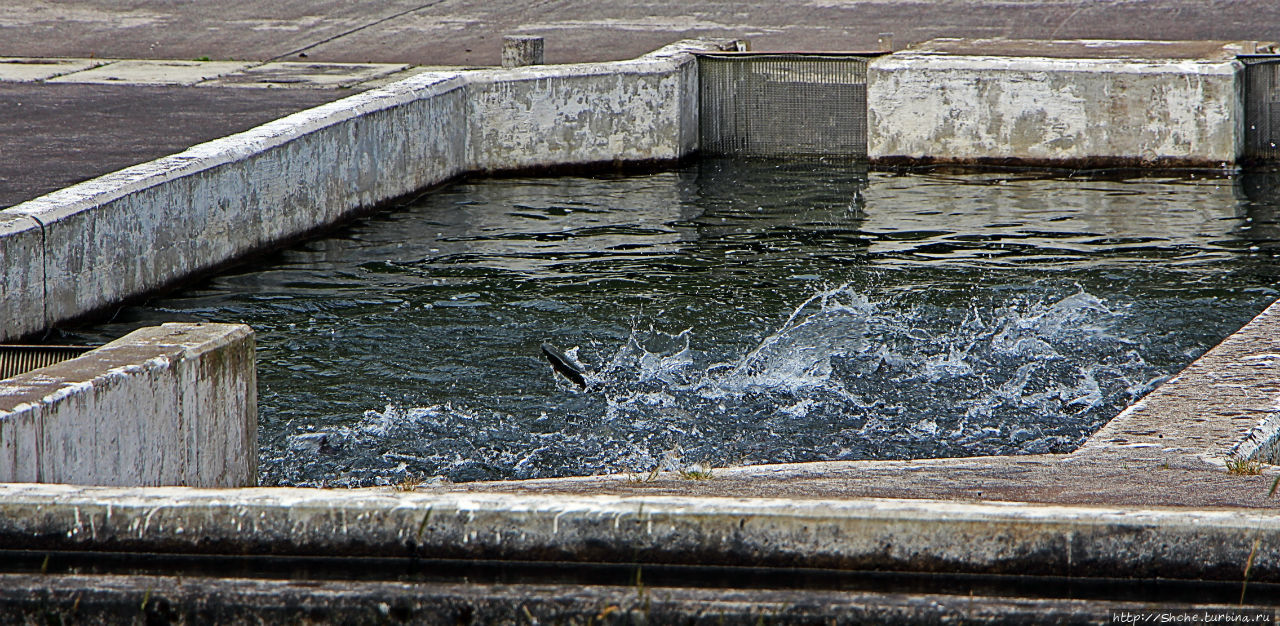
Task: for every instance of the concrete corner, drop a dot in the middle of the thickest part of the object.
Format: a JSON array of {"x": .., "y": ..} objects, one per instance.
[{"x": 168, "y": 405}]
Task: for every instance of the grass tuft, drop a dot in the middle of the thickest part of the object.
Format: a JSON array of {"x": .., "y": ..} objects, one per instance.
[
  {"x": 644, "y": 478},
  {"x": 408, "y": 483},
  {"x": 697, "y": 472},
  {"x": 1244, "y": 467}
]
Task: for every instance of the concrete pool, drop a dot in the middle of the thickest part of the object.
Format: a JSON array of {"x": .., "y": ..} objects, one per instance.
[
  {"x": 732, "y": 312},
  {"x": 1149, "y": 495}
]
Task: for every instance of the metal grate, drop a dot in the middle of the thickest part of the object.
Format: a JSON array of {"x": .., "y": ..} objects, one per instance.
[
  {"x": 783, "y": 105},
  {"x": 1261, "y": 107},
  {"x": 16, "y": 360}
]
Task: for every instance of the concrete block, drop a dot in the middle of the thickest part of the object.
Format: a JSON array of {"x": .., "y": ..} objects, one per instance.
[
  {"x": 136, "y": 72},
  {"x": 519, "y": 51},
  {"x": 549, "y": 116},
  {"x": 168, "y": 405},
  {"x": 1054, "y": 111}
]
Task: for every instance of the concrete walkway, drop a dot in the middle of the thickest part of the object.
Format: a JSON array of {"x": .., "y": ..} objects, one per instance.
[
  {"x": 53, "y": 133},
  {"x": 468, "y": 32}
]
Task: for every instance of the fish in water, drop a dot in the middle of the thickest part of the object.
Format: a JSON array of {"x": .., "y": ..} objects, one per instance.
[{"x": 561, "y": 363}]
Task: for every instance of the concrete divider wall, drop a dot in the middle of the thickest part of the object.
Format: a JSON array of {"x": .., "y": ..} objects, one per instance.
[
  {"x": 1057, "y": 111},
  {"x": 641, "y": 110},
  {"x": 93, "y": 245},
  {"x": 133, "y": 231},
  {"x": 865, "y": 534},
  {"x": 167, "y": 405}
]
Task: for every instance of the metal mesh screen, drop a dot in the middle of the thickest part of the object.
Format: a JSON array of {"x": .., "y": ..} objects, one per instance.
[
  {"x": 1262, "y": 107},
  {"x": 16, "y": 360},
  {"x": 783, "y": 105}
]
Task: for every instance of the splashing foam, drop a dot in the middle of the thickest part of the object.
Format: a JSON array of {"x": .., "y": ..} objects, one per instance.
[{"x": 841, "y": 378}]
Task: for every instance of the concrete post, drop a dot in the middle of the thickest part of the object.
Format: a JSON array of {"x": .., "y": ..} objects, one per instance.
[{"x": 521, "y": 50}]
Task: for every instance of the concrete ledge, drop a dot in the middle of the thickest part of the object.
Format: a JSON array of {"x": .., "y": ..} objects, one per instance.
[
  {"x": 1057, "y": 111},
  {"x": 168, "y": 405},
  {"x": 35, "y": 598},
  {"x": 1225, "y": 404},
  {"x": 873, "y": 534},
  {"x": 142, "y": 228}
]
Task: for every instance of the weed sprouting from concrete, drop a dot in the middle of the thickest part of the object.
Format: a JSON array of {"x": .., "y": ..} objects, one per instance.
[
  {"x": 696, "y": 472},
  {"x": 1244, "y": 467},
  {"x": 425, "y": 518},
  {"x": 1257, "y": 541},
  {"x": 202, "y": 59},
  {"x": 408, "y": 483},
  {"x": 1248, "y": 564},
  {"x": 644, "y": 478}
]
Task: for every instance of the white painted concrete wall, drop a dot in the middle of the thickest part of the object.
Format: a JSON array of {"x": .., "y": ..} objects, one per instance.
[
  {"x": 92, "y": 245},
  {"x": 167, "y": 405},
  {"x": 1087, "y": 111},
  {"x": 532, "y": 117}
]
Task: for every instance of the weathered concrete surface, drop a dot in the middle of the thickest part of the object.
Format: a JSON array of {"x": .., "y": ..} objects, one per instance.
[
  {"x": 168, "y": 405},
  {"x": 308, "y": 75},
  {"x": 469, "y": 32},
  {"x": 853, "y": 534},
  {"x": 522, "y": 50},
  {"x": 115, "y": 599},
  {"x": 1130, "y": 49},
  {"x": 544, "y": 116},
  {"x": 145, "y": 72},
  {"x": 139, "y": 229},
  {"x": 1091, "y": 112},
  {"x": 47, "y": 147},
  {"x": 1226, "y": 404},
  {"x": 22, "y": 256},
  {"x": 53, "y": 136},
  {"x": 28, "y": 69}
]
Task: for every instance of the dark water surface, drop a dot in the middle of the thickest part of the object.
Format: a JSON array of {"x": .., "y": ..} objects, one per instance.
[{"x": 734, "y": 313}]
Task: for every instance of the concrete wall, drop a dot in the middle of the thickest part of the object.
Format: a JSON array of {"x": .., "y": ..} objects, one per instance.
[
  {"x": 1056, "y": 111},
  {"x": 853, "y": 534},
  {"x": 532, "y": 117},
  {"x": 93, "y": 245},
  {"x": 167, "y": 405}
]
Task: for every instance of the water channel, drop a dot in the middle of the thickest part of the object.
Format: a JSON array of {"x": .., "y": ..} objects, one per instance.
[{"x": 731, "y": 313}]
